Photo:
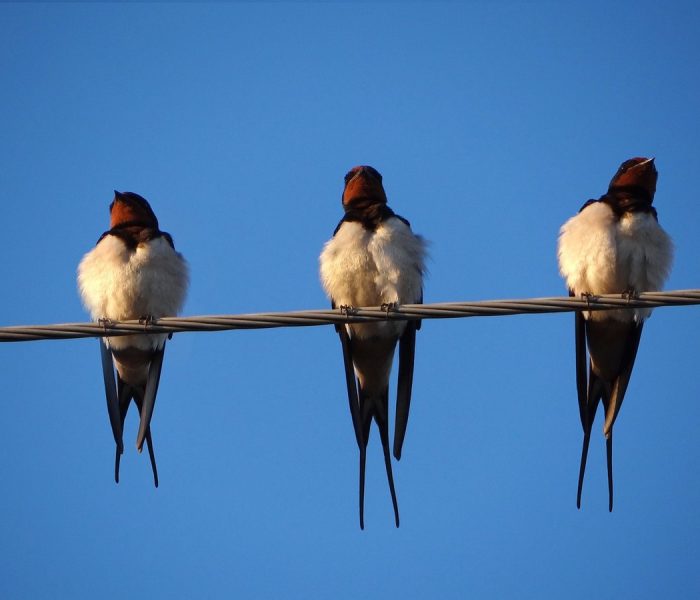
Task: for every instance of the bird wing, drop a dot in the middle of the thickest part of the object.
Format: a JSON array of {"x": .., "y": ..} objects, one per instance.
[
  {"x": 631, "y": 345},
  {"x": 580, "y": 346},
  {"x": 407, "y": 350},
  {"x": 113, "y": 411},
  {"x": 149, "y": 395}
]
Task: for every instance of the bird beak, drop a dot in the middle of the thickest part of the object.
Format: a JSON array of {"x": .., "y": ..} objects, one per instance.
[{"x": 647, "y": 161}]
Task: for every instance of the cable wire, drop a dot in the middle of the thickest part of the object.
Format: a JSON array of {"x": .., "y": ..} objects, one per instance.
[{"x": 309, "y": 318}]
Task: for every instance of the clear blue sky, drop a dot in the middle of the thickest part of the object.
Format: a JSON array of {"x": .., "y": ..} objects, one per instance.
[{"x": 492, "y": 123}]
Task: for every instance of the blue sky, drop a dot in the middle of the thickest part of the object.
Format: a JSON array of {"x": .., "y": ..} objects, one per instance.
[{"x": 491, "y": 123}]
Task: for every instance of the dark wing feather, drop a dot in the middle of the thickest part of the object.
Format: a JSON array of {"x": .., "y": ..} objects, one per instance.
[
  {"x": 111, "y": 394},
  {"x": 622, "y": 380},
  {"x": 353, "y": 400},
  {"x": 354, "y": 404},
  {"x": 580, "y": 343},
  {"x": 407, "y": 349},
  {"x": 149, "y": 395}
]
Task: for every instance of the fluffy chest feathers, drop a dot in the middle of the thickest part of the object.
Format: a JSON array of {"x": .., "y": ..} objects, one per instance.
[
  {"x": 601, "y": 254},
  {"x": 118, "y": 282},
  {"x": 361, "y": 267}
]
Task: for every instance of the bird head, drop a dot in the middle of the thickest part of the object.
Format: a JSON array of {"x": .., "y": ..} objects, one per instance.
[
  {"x": 363, "y": 185},
  {"x": 128, "y": 207},
  {"x": 637, "y": 173}
]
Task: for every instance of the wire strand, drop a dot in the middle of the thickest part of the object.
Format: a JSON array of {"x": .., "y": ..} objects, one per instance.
[{"x": 309, "y": 318}]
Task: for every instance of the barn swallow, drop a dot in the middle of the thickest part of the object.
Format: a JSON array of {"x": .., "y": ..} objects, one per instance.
[
  {"x": 374, "y": 259},
  {"x": 613, "y": 245},
  {"x": 133, "y": 272}
]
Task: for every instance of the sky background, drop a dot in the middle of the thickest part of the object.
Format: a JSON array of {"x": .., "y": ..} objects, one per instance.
[{"x": 492, "y": 123}]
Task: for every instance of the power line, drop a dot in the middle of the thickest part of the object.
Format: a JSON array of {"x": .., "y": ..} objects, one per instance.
[{"x": 308, "y": 318}]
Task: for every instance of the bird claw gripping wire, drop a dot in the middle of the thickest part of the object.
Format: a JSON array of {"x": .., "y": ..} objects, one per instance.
[
  {"x": 572, "y": 303},
  {"x": 347, "y": 310},
  {"x": 388, "y": 307},
  {"x": 587, "y": 296},
  {"x": 105, "y": 323},
  {"x": 630, "y": 294},
  {"x": 147, "y": 321}
]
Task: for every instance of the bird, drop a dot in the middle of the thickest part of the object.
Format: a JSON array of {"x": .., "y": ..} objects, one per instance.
[
  {"x": 613, "y": 245},
  {"x": 133, "y": 272},
  {"x": 374, "y": 259}
]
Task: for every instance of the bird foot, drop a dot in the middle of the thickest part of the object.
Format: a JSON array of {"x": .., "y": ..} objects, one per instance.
[
  {"x": 387, "y": 307},
  {"x": 104, "y": 322},
  {"x": 147, "y": 320},
  {"x": 587, "y": 296},
  {"x": 630, "y": 294},
  {"x": 347, "y": 310}
]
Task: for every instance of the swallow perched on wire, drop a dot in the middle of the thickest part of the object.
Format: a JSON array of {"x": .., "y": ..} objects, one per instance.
[
  {"x": 133, "y": 272},
  {"x": 374, "y": 259},
  {"x": 613, "y": 245}
]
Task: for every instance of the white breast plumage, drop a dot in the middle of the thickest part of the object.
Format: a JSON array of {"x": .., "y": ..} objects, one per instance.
[
  {"x": 600, "y": 254},
  {"x": 118, "y": 283},
  {"x": 367, "y": 268},
  {"x": 360, "y": 267}
]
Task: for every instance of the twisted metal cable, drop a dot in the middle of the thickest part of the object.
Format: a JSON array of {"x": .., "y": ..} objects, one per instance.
[{"x": 308, "y": 318}]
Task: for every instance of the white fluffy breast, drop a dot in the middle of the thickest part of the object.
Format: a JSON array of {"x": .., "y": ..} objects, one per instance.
[
  {"x": 587, "y": 252},
  {"x": 599, "y": 254},
  {"x": 118, "y": 283},
  {"x": 369, "y": 268},
  {"x": 645, "y": 252}
]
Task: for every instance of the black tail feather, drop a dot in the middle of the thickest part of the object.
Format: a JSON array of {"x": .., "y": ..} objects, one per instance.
[
  {"x": 582, "y": 467},
  {"x": 363, "y": 463},
  {"x": 609, "y": 449},
  {"x": 138, "y": 400},
  {"x": 596, "y": 392},
  {"x": 377, "y": 408},
  {"x": 389, "y": 474},
  {"x": 124, "y": 394},
  {"x": 128, "y": 393}
]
